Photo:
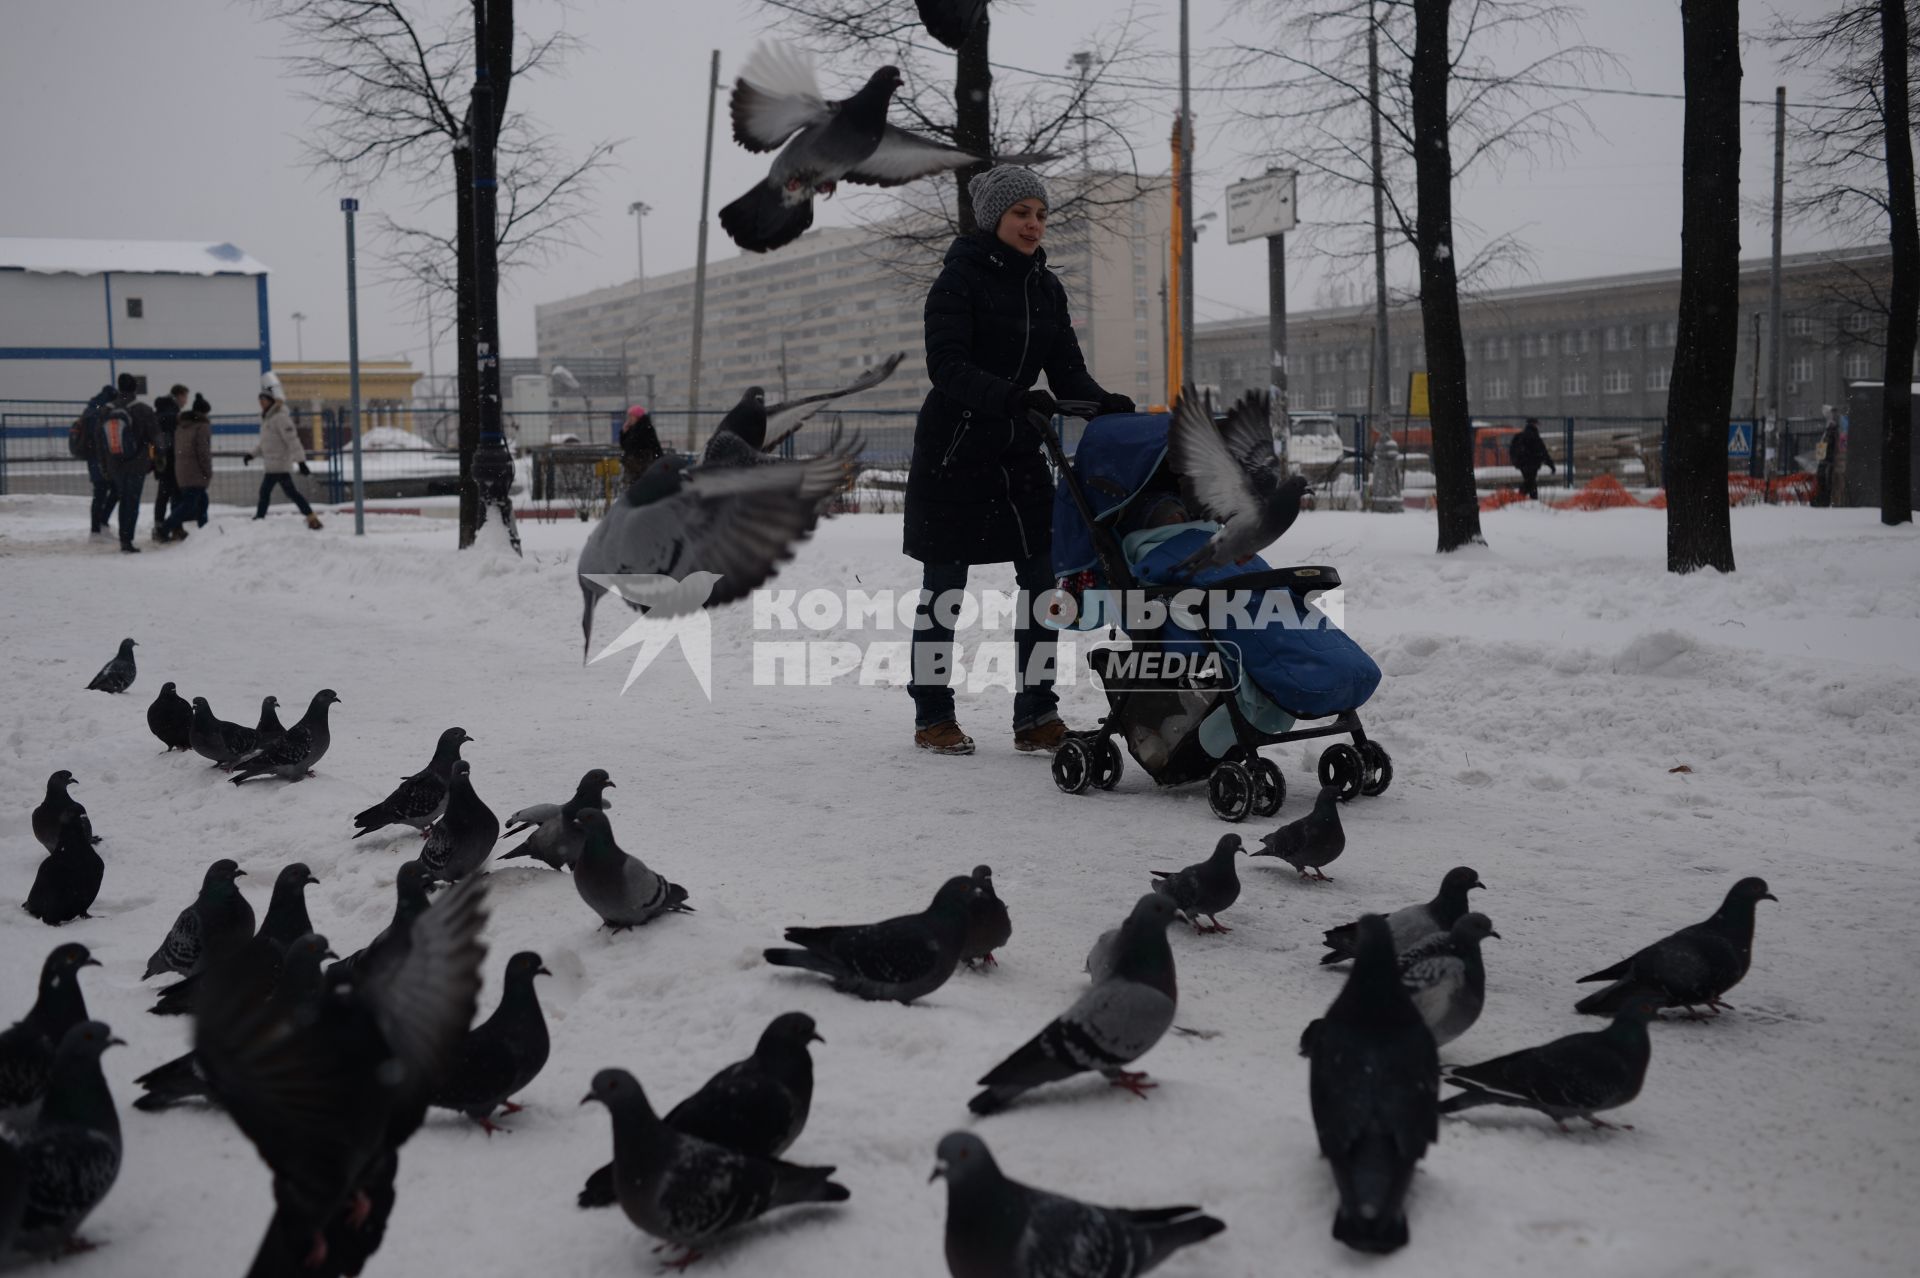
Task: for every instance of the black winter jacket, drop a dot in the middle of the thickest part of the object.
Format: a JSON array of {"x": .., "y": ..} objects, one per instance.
[
  {"x": 1528, "y": 452},
  {"x": 136, "y": 457},
  {"x": 979, "y": 491}
]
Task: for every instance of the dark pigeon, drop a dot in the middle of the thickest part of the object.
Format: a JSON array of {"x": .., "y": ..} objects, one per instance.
[
  {"x": 1113, "y": 1024},
  {"x": 1694, "y": 966},
  {"x": 218, "y": 921},
  {"x": 410, "y": 902},
  {"x": 1000, "y": 1228},
  {"x": 1571, "y": 1077},
  {"x": 1206, "y": 887},
  {"x": 170, "y": 718},
  {"x": 951, "y": 21},
  {"x": 1374, "y": 1086},
  {"x": 296, "y": 752},
  {"x": 901, "y": 959},
  {"x": 556, "y": 841},
  {"x": 503, "y": 1053},
  {"x": 686, "y": 1191},
  {"x": 419, "y": 799},
  {"x": 1414, "y": 923},
  {"x": 1231, "y": 474},
  {"x": 59, "y": 807},
  {"x": 1313, "y": 841},
  {"x": 216, "y": 739},
  {"x": 269, "y": 729},
  {"x": 117, "y": 675},
  {"x": 988, "y": 925},
  {"x": 286, "y": 921},
  {"x": 67, "y": 882},
  {"x": 13, "y": 1194},
  {"x": 618, "y": 887},
  {"x": 751, "y": 430},
  {"x": 28, "y": 1045},
  {"x": 72, "y": 1149},
  {"x": 757, "y": 1106},
  {"x": 1447, "y": 978},
  {"x": 463, "y": 838}
]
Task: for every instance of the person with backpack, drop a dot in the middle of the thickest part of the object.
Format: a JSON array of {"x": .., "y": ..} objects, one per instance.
[
  {"x": 166, "y": 413},
  {"x": 1528, "y": 453},
  {"x": 192, "y": 470},
  {"x": 279, "y": 450},
  {"x": 81, "y": 437},
  {"x": 124, "y": 445}
]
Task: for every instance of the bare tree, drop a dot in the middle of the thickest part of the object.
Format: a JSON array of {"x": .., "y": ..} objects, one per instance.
[
  {"x": 1856, "y": 177},
  {"x": 1700, "y": 396}
]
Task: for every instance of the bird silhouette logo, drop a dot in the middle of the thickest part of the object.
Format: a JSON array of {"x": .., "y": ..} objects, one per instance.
[{"x": 674, "y": 613}]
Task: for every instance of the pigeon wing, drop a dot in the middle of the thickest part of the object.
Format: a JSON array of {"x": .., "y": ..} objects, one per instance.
[
  {"x": 784, "y": 419},
  {"x": 774, "y": 97},
  {"x": 1068, "y": 1237},
  {"x": 422, "y": 994},
  {"x": 1213, "y": 478},
  {"x": 1248, "y": 436},
  {"x": 904, "y": 156}
]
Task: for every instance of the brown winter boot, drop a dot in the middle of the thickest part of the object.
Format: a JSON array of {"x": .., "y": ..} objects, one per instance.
[
  {"x": 1045, "y": 736},
  {"x": 313, "y": 521},
  {"x": 944, "y": 738}
]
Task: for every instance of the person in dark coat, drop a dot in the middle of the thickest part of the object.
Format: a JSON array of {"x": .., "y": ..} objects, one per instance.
[
  {"x": 639, "y": 444},
  {"x": 192, "y": 470},
  {"x": 125, "y": 446},
  {"x": 105, "y": 494},
  {"x": 1528, "y": 453},
  {"x": 166, "y": 414},
  {"x": 979, "y": 490},
  {"x": 1826, "y": 458}
]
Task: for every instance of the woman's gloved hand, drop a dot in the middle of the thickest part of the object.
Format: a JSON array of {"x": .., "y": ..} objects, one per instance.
[
  {"x": 1115, "y": 404},
  {"x": 1034, "y": 401}
]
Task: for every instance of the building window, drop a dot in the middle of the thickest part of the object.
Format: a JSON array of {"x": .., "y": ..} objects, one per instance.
[
  {"x": 1573, "y": 342},
  {"x": 1659, "y": 378},
  {"x": 1536, "y": 386},
  {"x": 1353, "y": 361},
  {"x": 1800, "y": 370},
  {"x": 1573, "y": 384},
  {"x": 1660, "y": 333},
  {"x": 1618, "y": 381},
  {"x": 1323, "y": 398},
  {"x": 1857, "y": 322},
  {"x": 1529, "y": 346},
  {"x": 1858, "y": 366},
  {"x": 1611, "y": 338},
  {"x": 136, "y": 309},
  {"x": 1397, "y": 395},
  {"x": 1498, "y": 388},
  {"x": 1799, "y": 326}
]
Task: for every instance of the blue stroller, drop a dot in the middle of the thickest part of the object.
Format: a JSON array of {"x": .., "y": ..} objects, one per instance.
[{"x": 1120, "y": 535}]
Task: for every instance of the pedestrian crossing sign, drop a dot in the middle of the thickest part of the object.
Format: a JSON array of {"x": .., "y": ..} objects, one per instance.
[{"x": 1740, "y": 439}]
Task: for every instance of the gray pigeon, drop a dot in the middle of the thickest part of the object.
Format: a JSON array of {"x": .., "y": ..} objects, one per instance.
[
  {"x": 899, "y": 959},
  {"x": 1414, "y": 923},
  {"x": 28, "y": 1045},
  {"x": 556, "y": 840},
  {"x": 620, "y": 888},
  {"x": 1113, "y": 1024},
  {"x": 170, "y": 718},
  {"x": 218, "y": 921},
  {"x": 419, "y": 799},
  {"x": 72, "y": 1149},
  {"x": 1374, "y": 1085},
  {"x": 216, "y": 739},
  {"x": 686, "y": 1191},
  {"x": 1447, "y": 977},
  {"x": 503, "y": 1053},
  {"x": 117, "y": 675},
  {"x": 463, "y": 838},
  {"x": 1230, "y": 474},
  {"x": 776, "y": 98},
  {"x": 1099, "y": 964},
  {"x": 51, "y": 817},
  {"x": 294, "y": 754},
  {"x": 1571, "y": 1077},
  {"x": 269, "y": 729},
  {"x": 1206, "y": 887},
  {"x": 988, "y": 924},
  {"x": 1313, "y": 841},
  {"x": 1694, "y": 966},
  {"x": 1000, "y": 1228},
  {"x": 751, "y": 430}
]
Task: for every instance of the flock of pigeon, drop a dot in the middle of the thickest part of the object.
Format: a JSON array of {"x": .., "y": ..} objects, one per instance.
[{"x": 328, "y": 1065}]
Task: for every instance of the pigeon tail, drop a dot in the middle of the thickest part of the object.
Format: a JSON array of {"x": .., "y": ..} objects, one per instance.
[
  {"x": 1168, "y": 1229},
  {"x": 1613, "y": 973},
  {"x": 807, "y": 960},
  {"x": 525, "y": 849},
  {"x": 1372, "y": 1180},
  {"x": 1471, "y": 1098},
  {"x": 173, "y": 1083},
  {"x": 806, "y": 1185},
  {"x": 1611, "y": 1000},
  {"x": 762, "y": 219},
  {"x": 599, "y": 1191}
]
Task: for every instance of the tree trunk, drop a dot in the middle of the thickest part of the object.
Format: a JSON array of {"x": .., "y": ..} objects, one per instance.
[
  {"x": 1903, "y": 306},
  {"x": 1454, "y": 497},
  {"x": 973, "y": 113},
  {"x": 1700, "y": 395},
  {"x": 466, "y": 329}
]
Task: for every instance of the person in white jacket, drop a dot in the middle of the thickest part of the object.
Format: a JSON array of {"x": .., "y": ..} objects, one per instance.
[{"x": 280, "y": 452}]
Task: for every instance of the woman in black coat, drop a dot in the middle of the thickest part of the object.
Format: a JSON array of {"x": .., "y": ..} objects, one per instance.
[{"x": 979, "y": 491}]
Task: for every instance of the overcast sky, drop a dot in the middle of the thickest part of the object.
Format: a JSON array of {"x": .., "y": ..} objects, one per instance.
[{"x": 177, "y": 120}]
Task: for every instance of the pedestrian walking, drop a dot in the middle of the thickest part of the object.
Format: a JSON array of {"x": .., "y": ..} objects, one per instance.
[
  {"x": 166, "y": 413},
  {"x": 105, "y": 495},
  {"x": 124, "y": 446},
  {"x": 280, "y": 452},
  {"x": 1528, "y": 453},
  {"x": 192, "y": 470}
]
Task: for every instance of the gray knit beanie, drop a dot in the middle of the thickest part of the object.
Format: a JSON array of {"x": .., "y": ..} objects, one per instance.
[{"x": 999, "y": 189}]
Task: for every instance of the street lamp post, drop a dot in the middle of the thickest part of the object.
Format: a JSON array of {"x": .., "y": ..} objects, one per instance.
[{"x": 299, "y": 344}]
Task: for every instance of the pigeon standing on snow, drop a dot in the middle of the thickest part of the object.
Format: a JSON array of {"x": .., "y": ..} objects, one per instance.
[
  {"x": 419, "y": 799},
  {"x": 67, "y": 882},
  {"x": 27, "y": 1046},
  {"x": 556, "y": 840},
  {"x": 1230, "y": 473},
  {"x": 776, "y": 104},
  {"x": 117, "y": 675},
  {"x": 286, "y": 921},
  {"x": 1314, "y": 840},
  {"x": 988, "y": 925},
  {"x": 757, "y": 1106},
  {"x": 898, "y": 959},
  {"x": 1374, "y": 1086},
  {"x": 169, "y": 718},
  {"x": 59, "y": 807},
  {"x": 1000, "y": 1228},
  {"x": 686, "y": 1191},
  {"x": 295, "y": 753},
  {"x": 410, "y": 902},
  {"x": 503, "y": 1053},
  {"x": 1694, "y": 966},
  {"x": 1109, "y": 1027},
  {"x": 1571, "y": 1077},
  {"x": 1414, "y": 923},
  {"x": 72, "y": 1149},
  {"x": 618, "y": 887},
  {"x": 463, "y": 838},
  {"x": 218, "y": 921},
  {"x": 216, "y": 739},
  {"x": 751, "y": 430},
  {"x": 1447, "y": 977},
  {"x": 269, "y": 729},
  {"x": 1206, "y": 887}
]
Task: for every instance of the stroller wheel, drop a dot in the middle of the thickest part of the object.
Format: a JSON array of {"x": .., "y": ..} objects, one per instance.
[
  {"x": 1379, "y": 768},
  {"x": 1073, "y": 766},
  {"x": 1340, "y": 765},
  {"x": 1269, "y": 788},
  {"x": 1230, "y": 792},
  {"x": 1108, "y": 764}
]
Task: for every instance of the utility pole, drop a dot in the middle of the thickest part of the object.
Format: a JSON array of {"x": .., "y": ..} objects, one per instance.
[
  {"x": 1188, "y": 231},
  {"x": 785, "y": 393},
  {"x": 1382, "y": 361},
  {"x": 1083, "y": 61},
  {"x": 700, "y": 265},
  {"x": 350, "y": 207},
  {"x": 639, "y": 211},
  {"x": 492, "y": 466},
  {"x": 1776, "y": 388},
  {"x": 299, "y": 344}
]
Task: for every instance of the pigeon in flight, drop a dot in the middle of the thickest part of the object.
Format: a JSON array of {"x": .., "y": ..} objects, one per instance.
[
  {"x": 1231, "y": 474},
  {"x": 1571, "y": 1077},
  {"x": 1694, "y": 966},
  {"x": 751, "y": 429},
  {"x": 1414, "y": 923},
  {"x": 117, "y": 675}
]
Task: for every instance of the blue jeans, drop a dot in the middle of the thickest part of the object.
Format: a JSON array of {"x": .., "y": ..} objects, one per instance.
[
  {"x": 188, "y": 503},
  {"x": 933, "y": 646},
  {"x": 285, "y": 481}
]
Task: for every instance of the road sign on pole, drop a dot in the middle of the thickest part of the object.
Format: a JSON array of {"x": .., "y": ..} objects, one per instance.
[
  {"x": 1739, "y": 441},
  {"x": 1260, "y": 207}
]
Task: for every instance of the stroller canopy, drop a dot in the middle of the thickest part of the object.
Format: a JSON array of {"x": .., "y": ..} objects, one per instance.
[{"x": 1117, "y": 455}]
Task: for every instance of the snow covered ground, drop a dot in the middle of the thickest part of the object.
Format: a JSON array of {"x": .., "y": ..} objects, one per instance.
[{"x": 1538, "y": 695}]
